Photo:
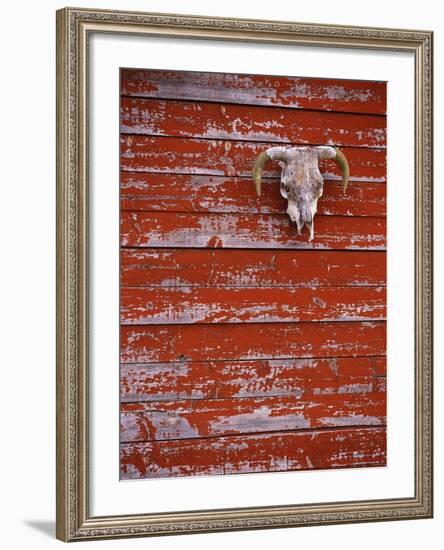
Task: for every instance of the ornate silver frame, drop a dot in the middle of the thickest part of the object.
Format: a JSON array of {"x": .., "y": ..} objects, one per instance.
[{"x": 74, "y": 521}]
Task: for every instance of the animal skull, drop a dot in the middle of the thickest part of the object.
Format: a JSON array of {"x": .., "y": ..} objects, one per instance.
[{"x": 301, "y": 180}]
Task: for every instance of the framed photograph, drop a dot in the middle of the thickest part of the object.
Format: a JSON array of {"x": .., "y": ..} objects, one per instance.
[{"x": 244, "y": 274}]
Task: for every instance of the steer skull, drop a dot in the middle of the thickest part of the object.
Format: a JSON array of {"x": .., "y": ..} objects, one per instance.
[{"x": 301, "y": 180}]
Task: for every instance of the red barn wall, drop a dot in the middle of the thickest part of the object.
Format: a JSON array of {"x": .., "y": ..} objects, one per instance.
[{"x": 245, "y": 347}]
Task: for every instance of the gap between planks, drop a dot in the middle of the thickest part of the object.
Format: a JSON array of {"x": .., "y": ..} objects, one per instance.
[
  {"x": 249, "y": 104},
  {"x": 330, "y": 179},
  {"x": 157, "y": 210},
  {"x": 263, "y": 396},
  {"x": 285, "y": 358},
  {"x": 228, "y": 287},
  {"x": 265, "y": 432},
  {"x": 264, "y": 322},
  {"x": 246, "y": 249},
  {"x": 238, "y": 139}
]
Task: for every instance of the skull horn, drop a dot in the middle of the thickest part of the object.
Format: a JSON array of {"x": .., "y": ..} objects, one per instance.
[
  {"x": 274, "y": 153},
  {"x": 259, "y": 164},
  {"x": 342, "y": 162}
]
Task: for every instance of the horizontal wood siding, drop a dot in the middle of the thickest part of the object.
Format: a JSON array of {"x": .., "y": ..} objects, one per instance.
[
  {"x": 245, "y": 347},
  {"x": 208, "y": 418},
  {"x": 267, "y": 452},
  {"x": 251, "y": 378},
  {"x": 294, "y": 93},
  {"x": 218, "y": 341},
  {"x": 249, "y": 305},
  {"x": 219, "y": 157},
  {"x": 249, "y": 123},
  {"x": 176, "y": 267},
  {"x": 183, "y": 230},
  {"x": 143, "y": 191}
]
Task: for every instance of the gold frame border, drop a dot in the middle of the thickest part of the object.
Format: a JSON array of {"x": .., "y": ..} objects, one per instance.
[{"x": 73, "y": 521}]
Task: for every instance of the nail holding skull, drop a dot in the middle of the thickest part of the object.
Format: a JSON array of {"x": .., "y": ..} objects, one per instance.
[{"x": 301, "y": 180}]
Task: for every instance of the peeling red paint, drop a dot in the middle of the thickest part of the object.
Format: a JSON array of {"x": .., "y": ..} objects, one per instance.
[
  {"x": 231, "y": 341},
  {"x": 250, "y": 378},
  {"x": 177, "y": 155},
  {"x": 275, "y": 452},
  {"x": 145, "y": 191},
  {"x": 250, "y": 123},
  {"x": 140, "y": 306},
  {"x": 325, "y": 94},
  {"x": 209, "y": 418},
  {"x": 234, "y": 268},
  {"x": 182, "y": 230},
  {"x": 245, "y": 347},
  {"x": 215, "y": 242}
]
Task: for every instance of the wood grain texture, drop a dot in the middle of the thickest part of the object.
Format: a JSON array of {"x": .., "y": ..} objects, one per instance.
[
  {"x": 270, "y": 452},
  {"x": 139, "y": 306},
  {"x": 168, "y": 229},
  {"x": 354, "y": 96},
  {"x": 226, "y": 342},
  {"x": 232, "y": 158},
  {"x": 157, "y": 421},
  {"x": 175, "y": 267},
  {"x": 249, "y": 123},
  {"x": 202, "y": 193},
  {"x": 251, "y": 378}
]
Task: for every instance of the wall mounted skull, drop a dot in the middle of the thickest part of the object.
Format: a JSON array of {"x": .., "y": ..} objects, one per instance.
[{"x": 301, "y": 180}]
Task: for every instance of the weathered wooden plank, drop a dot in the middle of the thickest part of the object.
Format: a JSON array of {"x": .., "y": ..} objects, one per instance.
[
  {"x": 380, "y": 384},
  {"x": 161, "y": 343},
  {"x": 187, "y": 419},
  {"x": 379, "y": 366},
  {"x": 197, "y": 193},
  {"x": 232, "y": 158},
  {"x": 184, "y": 305},
  {"x": 380, "y": 373},
  {"x": 278, "y": 451},
  {"x": 250, "y": 268},
  {"x": 169, "y": 229},
  {"x": 251, "y": 123},
  {"x": 257, "y": 378},
  {"x": 355, "y": 96}
]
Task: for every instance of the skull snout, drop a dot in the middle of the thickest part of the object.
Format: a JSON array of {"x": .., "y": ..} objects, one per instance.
[
  {"x": 294, "y": 213},
  {"x": 302, "y": 214}
]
